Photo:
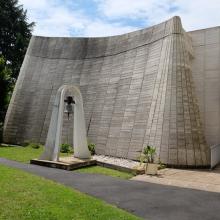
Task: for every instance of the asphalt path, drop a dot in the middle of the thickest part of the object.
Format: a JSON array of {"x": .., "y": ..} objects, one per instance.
[{"x": 147, "y": 200}]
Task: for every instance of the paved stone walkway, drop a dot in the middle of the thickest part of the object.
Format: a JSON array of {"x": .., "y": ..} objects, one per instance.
[
  {"x": 194, "y": 179},
  {"x": 147, "y": 200}
]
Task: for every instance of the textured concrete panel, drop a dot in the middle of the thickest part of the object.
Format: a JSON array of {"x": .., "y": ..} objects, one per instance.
[
  {"x": 206, "y": 75},
  {"x": 137, "y": 89}
]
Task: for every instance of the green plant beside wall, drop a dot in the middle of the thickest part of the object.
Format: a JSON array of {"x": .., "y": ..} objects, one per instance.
[
  {"x": 149, "y": 154},
  {"x": 91, "y": 147},
  {"x": 26, "y": 143},
  {"x": 34, "y": 145},
  {"x": 31, "y": 144},
  {"x": 161, "y": 165},
  {"x": 66, "y": 148}
]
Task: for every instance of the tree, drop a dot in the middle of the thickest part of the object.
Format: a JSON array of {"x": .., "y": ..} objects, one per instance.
[
  {"x": 5, "y": 88},
  {"x": 15, "y": 33}
]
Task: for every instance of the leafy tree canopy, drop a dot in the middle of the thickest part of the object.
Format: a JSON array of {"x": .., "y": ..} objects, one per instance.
[
  {"x": 5, "y": 86},
  {"x": 15, "y": 33}
]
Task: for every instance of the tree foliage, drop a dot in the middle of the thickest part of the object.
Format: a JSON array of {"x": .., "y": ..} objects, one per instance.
[
  {"x": 5, "y": 86},
  {"x": 15, "y": 33}
]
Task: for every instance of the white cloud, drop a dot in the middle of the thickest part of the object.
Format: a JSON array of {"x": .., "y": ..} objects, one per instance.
[
  {"x": 39, "y": 4},
  {"x": 134, "y": 9},
  {"x": 195, "y": 14},
  {"x": 60, "y": 18},
  {"x": 99, "y": 28},
  {"x": 198, "y": 14},
  {"x": 53, "y": 19}
]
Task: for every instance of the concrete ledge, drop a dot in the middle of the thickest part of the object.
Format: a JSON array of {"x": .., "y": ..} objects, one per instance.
[
  {"x": 9, "y": 145},
  {"x": 135, "y": 171},
  {"x": 72, "y": 165}
]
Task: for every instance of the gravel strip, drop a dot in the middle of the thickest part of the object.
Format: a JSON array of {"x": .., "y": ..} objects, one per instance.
[{"x": 116, "y": 161}]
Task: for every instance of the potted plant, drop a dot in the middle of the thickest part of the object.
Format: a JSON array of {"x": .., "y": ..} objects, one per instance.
[{"x": 149, "y": 154}]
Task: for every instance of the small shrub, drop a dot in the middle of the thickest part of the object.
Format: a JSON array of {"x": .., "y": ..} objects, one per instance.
[
  {"x": 34, "y": 145},
  {"x": 65, "y": 148},
  {"x": 161, "y": 165},
  {"x": 26, "y": 143},
  {"x": 142, "y": 159},
  {"x": 91, "y": 147}
]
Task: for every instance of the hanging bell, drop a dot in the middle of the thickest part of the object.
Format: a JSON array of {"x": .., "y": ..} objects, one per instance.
[{"x": 69, "y": 107}]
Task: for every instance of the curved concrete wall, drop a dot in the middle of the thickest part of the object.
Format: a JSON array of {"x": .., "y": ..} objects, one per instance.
[
  {"x": 137, "y": 90},
  {"x": 206, "y": 75}
]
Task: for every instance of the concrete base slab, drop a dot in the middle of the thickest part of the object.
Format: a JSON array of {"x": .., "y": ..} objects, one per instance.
[
  {"x": 72, "y": 163},
  {"x": 65, "y": 163}
]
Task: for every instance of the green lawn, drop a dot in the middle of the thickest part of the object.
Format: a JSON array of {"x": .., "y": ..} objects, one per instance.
[
  {"x": 25, "y": 154},
  {"x": 22, "y": 154},
  {"x": 24, "y": 196},
  {"x": 105, "y": 171}
]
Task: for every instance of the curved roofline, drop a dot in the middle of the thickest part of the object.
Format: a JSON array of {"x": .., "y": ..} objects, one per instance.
[{"x": 118, "y": 35}]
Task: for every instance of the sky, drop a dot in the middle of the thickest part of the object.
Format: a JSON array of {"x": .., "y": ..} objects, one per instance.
[{"x": 96, "y": 18}]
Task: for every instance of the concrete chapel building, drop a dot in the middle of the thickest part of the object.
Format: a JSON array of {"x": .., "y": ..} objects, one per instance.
[{"x": 159, "y": 86}]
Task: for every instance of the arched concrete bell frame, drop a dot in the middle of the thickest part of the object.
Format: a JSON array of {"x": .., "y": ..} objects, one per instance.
[{"x": 53, "y": 142}]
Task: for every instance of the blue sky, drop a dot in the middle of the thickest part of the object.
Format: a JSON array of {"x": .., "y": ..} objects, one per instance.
[{"x": 97, "y": 18}]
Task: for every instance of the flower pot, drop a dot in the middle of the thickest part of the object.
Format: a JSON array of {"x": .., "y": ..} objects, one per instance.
[{"x": 151, "y": 169}]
